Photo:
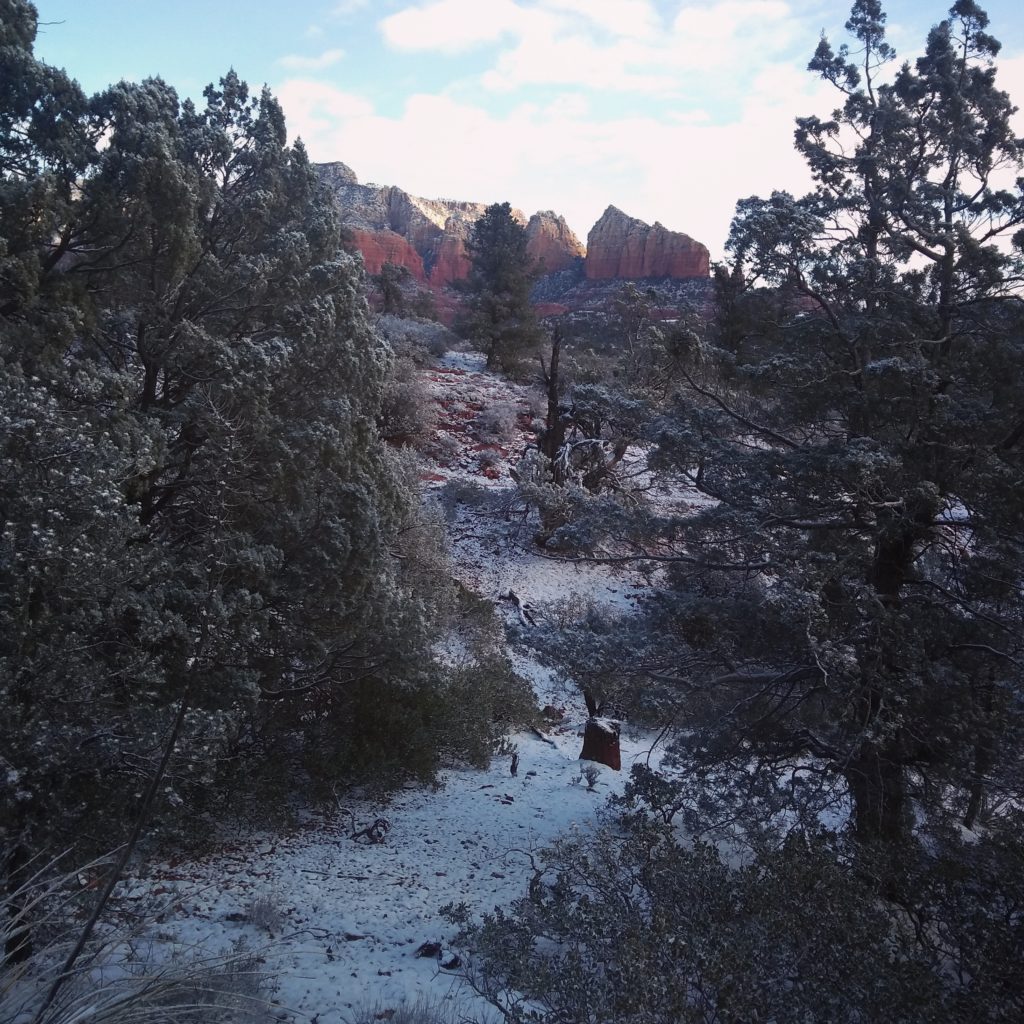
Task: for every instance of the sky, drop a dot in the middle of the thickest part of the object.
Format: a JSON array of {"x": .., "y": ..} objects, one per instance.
[{"x": 671, "y": 110}]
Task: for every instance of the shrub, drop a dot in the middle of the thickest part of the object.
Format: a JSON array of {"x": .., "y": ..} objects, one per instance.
[
  {"x": 407, "y": 413},
  {"x": 497, "y": 421}
]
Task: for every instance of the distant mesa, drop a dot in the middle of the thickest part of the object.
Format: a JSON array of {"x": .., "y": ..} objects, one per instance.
[
  {"x": 622, "y": 247},
  {"x": 428, "y": 237}
]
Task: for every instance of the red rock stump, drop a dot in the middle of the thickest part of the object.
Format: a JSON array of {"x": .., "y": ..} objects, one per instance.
[{"x": 601, "y": 743}]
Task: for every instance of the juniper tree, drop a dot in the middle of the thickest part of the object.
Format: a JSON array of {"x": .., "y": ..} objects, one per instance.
[
  {"x": 833, "y": 642},
  {"x": 195, "y": 499},
  {"x": 841, "y": 618}
]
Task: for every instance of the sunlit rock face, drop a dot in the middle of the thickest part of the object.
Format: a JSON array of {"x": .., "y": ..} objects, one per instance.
[
  {"x": 551, "y": 243},
  {"x": 622, "y": 247}
]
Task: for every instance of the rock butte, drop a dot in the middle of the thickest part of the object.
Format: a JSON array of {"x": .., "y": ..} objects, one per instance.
[
  {"x": 428, "y": 237},
  {"x": 620, "y": 246},
  {"x": 550, "y": 241}
]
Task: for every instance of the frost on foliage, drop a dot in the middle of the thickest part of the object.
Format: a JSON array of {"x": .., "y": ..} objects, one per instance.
[{"x": 196, "y": 501}]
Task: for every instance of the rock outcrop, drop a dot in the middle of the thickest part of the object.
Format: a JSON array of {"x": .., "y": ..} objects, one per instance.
[
  {"x": 337, "y": 173},
  {"x": 450, "y": 258},
  {"x": 551, "y": 242},
  {"x": 380, "y": 247},
  {"x": 428, "y": 238},
  {"x": 387, "y": 224},
  {"x": 622, "y": 247}
]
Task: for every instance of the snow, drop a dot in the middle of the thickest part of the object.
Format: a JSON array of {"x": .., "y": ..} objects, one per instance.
[{"x": 352, "y": 915}]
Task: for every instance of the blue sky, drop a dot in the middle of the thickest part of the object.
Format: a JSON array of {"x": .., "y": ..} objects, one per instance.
[{"x": 670, "y": 109}]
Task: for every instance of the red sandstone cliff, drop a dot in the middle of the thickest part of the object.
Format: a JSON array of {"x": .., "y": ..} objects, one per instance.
[
  {"x": 551, "y": 243},
  {"x": 428, "y": 238},
  {"x": 620, "y": 246},
  {"x": 380, "y": 247}
]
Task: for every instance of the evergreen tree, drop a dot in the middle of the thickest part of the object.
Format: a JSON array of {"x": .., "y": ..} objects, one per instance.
[
  {"x": 835, "y": 638},
  {"x": 500, "y": 317},
  {"x": 195, "y": 504},
  {"x": 854, "y": 581}
]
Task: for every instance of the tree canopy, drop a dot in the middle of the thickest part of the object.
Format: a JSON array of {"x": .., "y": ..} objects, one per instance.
[
  {"x": 833, "y": 642},
  {"x": 195, "y": 504}
]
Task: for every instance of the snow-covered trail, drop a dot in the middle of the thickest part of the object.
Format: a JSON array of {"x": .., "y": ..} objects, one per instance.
[{"x": 353, "y": 915}]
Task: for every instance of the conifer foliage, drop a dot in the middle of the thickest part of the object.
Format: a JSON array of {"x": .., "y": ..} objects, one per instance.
[
  {"x": 863, "y": 448},
  {"x": 194, "y": 502},
  {"x": 501, "y": 319},
  {"x": 835, "y": 638}
]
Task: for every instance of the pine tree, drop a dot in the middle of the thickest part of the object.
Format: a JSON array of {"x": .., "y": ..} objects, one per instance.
[
  {"x": 196, "y": 504},
  {"x": 500, "y": 317}
]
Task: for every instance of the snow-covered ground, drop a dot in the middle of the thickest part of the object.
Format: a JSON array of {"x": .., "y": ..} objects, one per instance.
[
  {"x": 353, "y": 915},
  {"x": 342, "y": 919}
]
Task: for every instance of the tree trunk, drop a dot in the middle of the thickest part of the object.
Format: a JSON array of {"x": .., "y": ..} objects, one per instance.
[
  {"x": 554, "y": 429},
  {"x": 984, "y": 757},
  {"x": 877, "y": 784}
]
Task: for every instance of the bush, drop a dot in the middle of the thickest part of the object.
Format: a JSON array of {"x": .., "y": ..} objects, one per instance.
[
  {"x": 417, "y": 339},
  {"x": 633, "y": 927},
  {"x": 407, "y": 414},
  {"x": 497, "y": 422}
]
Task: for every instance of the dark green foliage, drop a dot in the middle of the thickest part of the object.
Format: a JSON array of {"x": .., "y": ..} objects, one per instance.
[
  {"x": 860, "y": 443},
  {"x": 843, "y": 607},
  {"x": 195, "y": 500},
  {"x": 387, "y": 735},
  {"x": 500, "y": 318},
  {"x": 834, "y": 641},
  {"x": 389, "y": 282},
  {"x": 632, "y": 925}
]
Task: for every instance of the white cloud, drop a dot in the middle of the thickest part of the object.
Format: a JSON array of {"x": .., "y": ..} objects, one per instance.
[
  {"x": 626, "y": 18},
  {"x": 299, "y": 62},
  {"x": 453, "y": 26},
  {"x": 605, "y": 45},
  {"x": 732, "y": 35},
  {"x": 1010, "y": 78},
  {"x": 344, "y": 8},
  {"x": 578, "y": 61},
  {"x": 562, "y": 155}
]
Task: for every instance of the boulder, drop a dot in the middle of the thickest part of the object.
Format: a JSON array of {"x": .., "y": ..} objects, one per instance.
[{"x": 622, "y": 247}]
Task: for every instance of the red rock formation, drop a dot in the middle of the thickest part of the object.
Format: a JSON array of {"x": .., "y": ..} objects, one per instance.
[
  {"x": 550, "y": 241},
  {"x": 620, "y": 246},
  {"x": 451, "y": 260},
  {"x": 380, "y": 247}
]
